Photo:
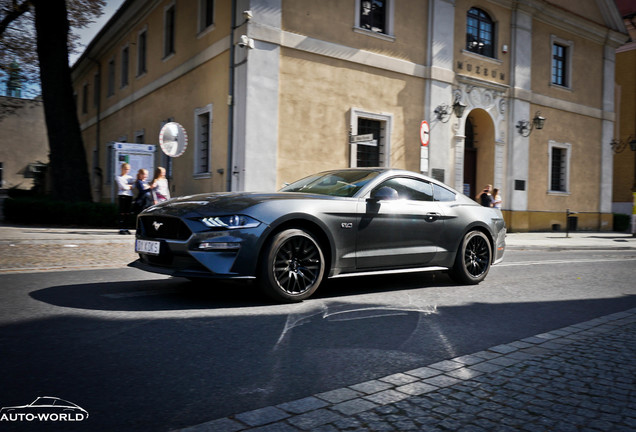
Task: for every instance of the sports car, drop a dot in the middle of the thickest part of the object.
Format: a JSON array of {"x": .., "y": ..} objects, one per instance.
[{"x": 332, "y": 224}]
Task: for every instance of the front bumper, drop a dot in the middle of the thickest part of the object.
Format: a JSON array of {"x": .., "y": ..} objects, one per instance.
[{"x": 228, "y": 254}]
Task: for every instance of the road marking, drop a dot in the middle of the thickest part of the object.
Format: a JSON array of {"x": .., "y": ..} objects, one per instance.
[{"x": 568, "y": 261}]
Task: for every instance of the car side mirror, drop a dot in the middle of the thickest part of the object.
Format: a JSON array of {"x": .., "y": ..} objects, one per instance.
[{"x": 384, "y": 193}]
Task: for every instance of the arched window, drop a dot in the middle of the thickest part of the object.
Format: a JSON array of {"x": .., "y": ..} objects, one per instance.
[{"x": 480, "y": 32}]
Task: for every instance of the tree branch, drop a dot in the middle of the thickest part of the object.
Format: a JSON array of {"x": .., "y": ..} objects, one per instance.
[{"x": 14, "y": 14}]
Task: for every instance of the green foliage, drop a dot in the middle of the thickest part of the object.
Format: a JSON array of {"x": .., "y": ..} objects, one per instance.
[
  {"x": 45, "y": 211},
  {"x": 621, "y": 222}
]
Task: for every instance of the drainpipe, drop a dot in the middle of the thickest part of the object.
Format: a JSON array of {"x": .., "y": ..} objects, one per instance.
[{"x": 230, "y": 121}]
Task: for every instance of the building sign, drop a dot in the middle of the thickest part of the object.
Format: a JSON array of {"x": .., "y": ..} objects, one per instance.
[{"x": 481, "y": 70}]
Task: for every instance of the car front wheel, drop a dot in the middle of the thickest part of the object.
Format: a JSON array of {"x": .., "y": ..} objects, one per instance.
[
  {"x": 292, "y": 266},
  {"x": 473, "y": 259}
]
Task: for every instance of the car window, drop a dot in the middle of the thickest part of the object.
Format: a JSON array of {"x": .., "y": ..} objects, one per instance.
[
  {"x": 410, "y": 188},
  {"x": 334, "y": 183},
  {"x": 443, "y": 194}
]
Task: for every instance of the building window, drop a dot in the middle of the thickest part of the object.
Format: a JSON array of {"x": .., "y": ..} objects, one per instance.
[
  {"x": 559, "y": 65},
  {"x": 168, "y": 30},
  {"x": 125, "y": 59},
  {"x": 561, "y": 62},
  {"x": 375, "y": 16},
  {"x": 85, "y": 99},
  {"x": 206, "y": 14},
  {"x": 111, "y": 77},
  {"x": 480, "y": 32},
  {"x": 203, "y": 141},
  {"x": 376, "y": 151},
  {"x": 559, "y": 164},
  {"x": 142, "y": 41},
  {"x": 96, "y": 89},
  {"x": 140, "y": 136}
]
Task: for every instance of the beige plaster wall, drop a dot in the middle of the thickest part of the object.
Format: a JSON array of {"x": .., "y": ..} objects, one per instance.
[
  {"x": 314, "y": 136},
  {"x": 333, "y": 21},
  {"x": 584, "y": 135}
]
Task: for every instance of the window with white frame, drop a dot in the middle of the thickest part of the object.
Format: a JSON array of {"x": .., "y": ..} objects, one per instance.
[
  {"x": 559, "y": 167},
  {"x": 206, "y": 14},
  {"x": 169, "y": 30},
  {"x": 561, "y": 62},
  {"x": 203, "y": 141},
  {"x": 375, "y": 151},
  {"x": 375, "y": 16},
  {"x": 142, "y": 42}
]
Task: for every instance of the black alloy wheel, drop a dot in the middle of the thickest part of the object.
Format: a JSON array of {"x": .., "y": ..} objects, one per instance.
[
  {"x": 473, "y": 259},
  {"x": 292, "y": 267}
]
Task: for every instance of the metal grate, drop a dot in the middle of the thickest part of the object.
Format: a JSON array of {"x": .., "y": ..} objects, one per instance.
[{"x": 162, "y": 227}]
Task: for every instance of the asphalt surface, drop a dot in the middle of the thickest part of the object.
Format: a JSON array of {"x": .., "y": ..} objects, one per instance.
[{"x": 578, "y": 378}]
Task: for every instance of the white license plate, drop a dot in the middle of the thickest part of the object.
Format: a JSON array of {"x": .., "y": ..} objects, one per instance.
[{"x": 147, "y": 246}]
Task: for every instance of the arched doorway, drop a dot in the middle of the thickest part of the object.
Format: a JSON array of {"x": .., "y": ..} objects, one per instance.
[{"x": 479, "y": 152}]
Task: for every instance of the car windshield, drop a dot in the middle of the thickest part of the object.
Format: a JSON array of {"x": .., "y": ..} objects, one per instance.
[{"x": 335, "y": 183}]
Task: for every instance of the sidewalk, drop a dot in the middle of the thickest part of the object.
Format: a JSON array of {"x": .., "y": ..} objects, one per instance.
[
  {"x": 578, "y": 378},
  {"x": 28, "y": 248}
]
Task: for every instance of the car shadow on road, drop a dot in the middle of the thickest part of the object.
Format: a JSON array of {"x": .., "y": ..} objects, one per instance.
[{"x": 181, "y": 294}]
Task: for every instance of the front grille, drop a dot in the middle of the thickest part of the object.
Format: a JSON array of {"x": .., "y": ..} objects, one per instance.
[{"x": 162, "y": 227}]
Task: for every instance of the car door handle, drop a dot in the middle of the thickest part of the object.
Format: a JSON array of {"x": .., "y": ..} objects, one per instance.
[{"x": 432, "y": 217}]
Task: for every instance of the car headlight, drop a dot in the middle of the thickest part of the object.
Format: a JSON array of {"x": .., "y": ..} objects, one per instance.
[{"x": 230, "y": 222}]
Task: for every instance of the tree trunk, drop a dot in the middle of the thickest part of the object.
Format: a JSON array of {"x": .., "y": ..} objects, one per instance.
[{"x": 68, "y": 165}]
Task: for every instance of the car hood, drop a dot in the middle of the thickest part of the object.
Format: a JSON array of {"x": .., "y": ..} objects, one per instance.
[{"x": 225, "y": 202}]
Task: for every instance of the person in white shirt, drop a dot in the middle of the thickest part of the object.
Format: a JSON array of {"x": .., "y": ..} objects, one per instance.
[
  {"x": 124, "y": 195},
  {"x": 159, "y": 186}
]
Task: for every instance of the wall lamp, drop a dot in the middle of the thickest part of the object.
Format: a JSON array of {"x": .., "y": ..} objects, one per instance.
[
  {"x": 620, "y": 145},
  {"x": 444, "y": 111},
  {"x": 525, "y": 127}
]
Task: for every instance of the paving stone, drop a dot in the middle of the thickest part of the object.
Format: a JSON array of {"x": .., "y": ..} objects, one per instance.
[
  {"x": 303, "y": 405},
  {"x": 354, "y": 406},
  {"x": 339, "y": 395},
  {"x": 370, "y": 387},
  {"x": 262, "y": 416}
]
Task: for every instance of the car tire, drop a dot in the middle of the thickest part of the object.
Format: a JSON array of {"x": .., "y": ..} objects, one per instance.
[
  {"x": 292, "y": 266},
  {"x": 473, "y": 259}
]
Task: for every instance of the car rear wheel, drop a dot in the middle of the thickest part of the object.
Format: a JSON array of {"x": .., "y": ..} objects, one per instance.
[
  {"x": 292, "y": 266},
  {"x": 473, "y": 259}
]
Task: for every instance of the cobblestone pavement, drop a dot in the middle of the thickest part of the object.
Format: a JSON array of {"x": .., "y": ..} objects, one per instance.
[
  {"x": 16, "y": 257},
  {"x": 578, "y": 378}
]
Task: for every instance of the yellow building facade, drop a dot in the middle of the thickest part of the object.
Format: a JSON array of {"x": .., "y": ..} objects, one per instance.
[{"x": 274, "y": 90}]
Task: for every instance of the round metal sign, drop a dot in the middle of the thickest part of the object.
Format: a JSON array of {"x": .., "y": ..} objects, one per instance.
[
  {"x": 173, "y": 139},
  {"x": 424, "y": 133}
]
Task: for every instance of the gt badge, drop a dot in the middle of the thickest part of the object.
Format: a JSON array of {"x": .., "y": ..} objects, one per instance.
[{"x": 346, "y": 225}]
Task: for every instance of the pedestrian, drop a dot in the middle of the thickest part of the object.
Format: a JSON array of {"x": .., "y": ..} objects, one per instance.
[
  {"x": 496, "y": 198},
  {"x": 485, "y": 198},
  {"x": 124, "y": 196},
  {"x": 143, "y": 199},
  {"x": 159, "y": 186}
]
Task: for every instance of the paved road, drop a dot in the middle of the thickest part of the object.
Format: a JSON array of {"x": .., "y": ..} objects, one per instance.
[{"x": 577, "y": 377}]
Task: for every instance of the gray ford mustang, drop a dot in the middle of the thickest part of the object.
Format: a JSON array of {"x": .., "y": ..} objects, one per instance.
[{"x": 332, "y": 224}]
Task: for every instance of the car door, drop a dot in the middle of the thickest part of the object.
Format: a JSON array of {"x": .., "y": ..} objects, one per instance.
[{"x": 400, "y": 225}]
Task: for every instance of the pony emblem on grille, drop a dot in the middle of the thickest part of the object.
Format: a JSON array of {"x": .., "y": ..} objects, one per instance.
[{"x": 156, "y": 225}]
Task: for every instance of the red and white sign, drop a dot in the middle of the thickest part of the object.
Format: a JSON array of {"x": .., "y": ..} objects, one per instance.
[{"x": 424, "y": 136}]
